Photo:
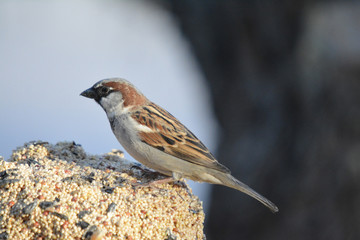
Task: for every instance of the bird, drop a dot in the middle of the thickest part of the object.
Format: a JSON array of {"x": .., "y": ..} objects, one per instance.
[{"x": 155, "y": 138}]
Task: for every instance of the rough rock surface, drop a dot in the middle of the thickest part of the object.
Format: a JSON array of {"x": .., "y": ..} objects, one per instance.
[{"x": 60, "y": 192}]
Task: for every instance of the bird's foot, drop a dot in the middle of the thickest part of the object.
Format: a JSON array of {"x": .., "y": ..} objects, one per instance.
[
  {"x": 153, "y": 183},
  {"x": 156, "y": 183}
]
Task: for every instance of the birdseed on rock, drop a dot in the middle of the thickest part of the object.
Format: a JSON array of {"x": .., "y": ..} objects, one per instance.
[{"x": 60, "y": 192}]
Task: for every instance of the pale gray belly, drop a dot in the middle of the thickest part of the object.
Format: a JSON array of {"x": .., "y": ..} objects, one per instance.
[{"x": 140, "y": 151}]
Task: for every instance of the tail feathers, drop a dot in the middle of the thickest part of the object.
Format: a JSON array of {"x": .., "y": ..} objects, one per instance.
[{"x": 232, "y": 182}]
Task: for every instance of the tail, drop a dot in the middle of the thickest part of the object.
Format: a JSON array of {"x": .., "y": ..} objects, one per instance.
[{"x": 230, "y": 181}]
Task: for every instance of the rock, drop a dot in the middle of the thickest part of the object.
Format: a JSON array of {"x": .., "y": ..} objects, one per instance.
[{"x": 41, "y": 204}]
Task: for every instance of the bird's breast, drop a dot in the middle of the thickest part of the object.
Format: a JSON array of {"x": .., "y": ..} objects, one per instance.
[
  {"x": 123, "y": 129},
  {"x": 126, "y": 131}
]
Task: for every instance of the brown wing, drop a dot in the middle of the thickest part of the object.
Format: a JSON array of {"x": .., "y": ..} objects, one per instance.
[{"x": 173, "y": 138}]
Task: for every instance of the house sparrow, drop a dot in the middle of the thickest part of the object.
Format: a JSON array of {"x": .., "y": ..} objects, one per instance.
[{"x": 158, "y": 140}]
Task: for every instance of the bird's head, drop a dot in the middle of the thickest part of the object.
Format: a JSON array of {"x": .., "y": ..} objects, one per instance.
[{"x": 115, "y": 94}]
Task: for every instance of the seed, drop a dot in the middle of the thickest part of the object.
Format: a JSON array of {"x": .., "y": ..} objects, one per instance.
[
  {"x": 82, "y": 224},
  {"x": 40, "y": 143},
  {"x": 41, "y": 197},
  {"x": 109, "y": 190},
  {"x": 81, "y": 214},
  {"x": 46, "y": 204},
  {"x": 30, "y": 207},
  {"x": 65, "y": 224},
  {"x": 3, "y": 175},
  {"x": 111, "y": 207},
  {"x": 59, "y": 215},
  {"x": 4, "y": 235},
  {"x": 5, "y": 182},
  {"x": 16, "y": 210}
]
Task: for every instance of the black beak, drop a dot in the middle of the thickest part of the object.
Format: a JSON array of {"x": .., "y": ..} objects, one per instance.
[{"x": 89, "y": 93}]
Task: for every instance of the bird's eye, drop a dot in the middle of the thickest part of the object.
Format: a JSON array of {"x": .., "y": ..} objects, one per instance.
[{"x": 104, "y": 91}]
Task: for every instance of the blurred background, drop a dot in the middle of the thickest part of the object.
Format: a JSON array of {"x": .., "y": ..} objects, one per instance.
[
  {"x": 50, "y": 51},
  {"x": 271, "y": 87}
]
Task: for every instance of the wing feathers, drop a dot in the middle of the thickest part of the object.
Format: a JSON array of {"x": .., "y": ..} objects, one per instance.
[{"x": 173, "y": 138}]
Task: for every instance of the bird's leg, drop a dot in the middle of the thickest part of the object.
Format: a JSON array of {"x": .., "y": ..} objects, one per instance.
[
  {"x": 161, "y": 181},
  {"x": 153, "y": 183},
  {"x": 175, "y": 178}
]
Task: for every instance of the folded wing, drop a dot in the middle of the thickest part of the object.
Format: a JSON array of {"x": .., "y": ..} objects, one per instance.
[{"x": 173, "y": 138}]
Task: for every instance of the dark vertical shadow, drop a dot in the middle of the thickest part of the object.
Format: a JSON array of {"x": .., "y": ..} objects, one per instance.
[{"x": 293, "y": 137}]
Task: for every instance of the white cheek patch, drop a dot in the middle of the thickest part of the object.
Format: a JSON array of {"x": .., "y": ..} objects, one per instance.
[
  {"x": 112, "y": 104},
  {"x": 105, "y": 103}
]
